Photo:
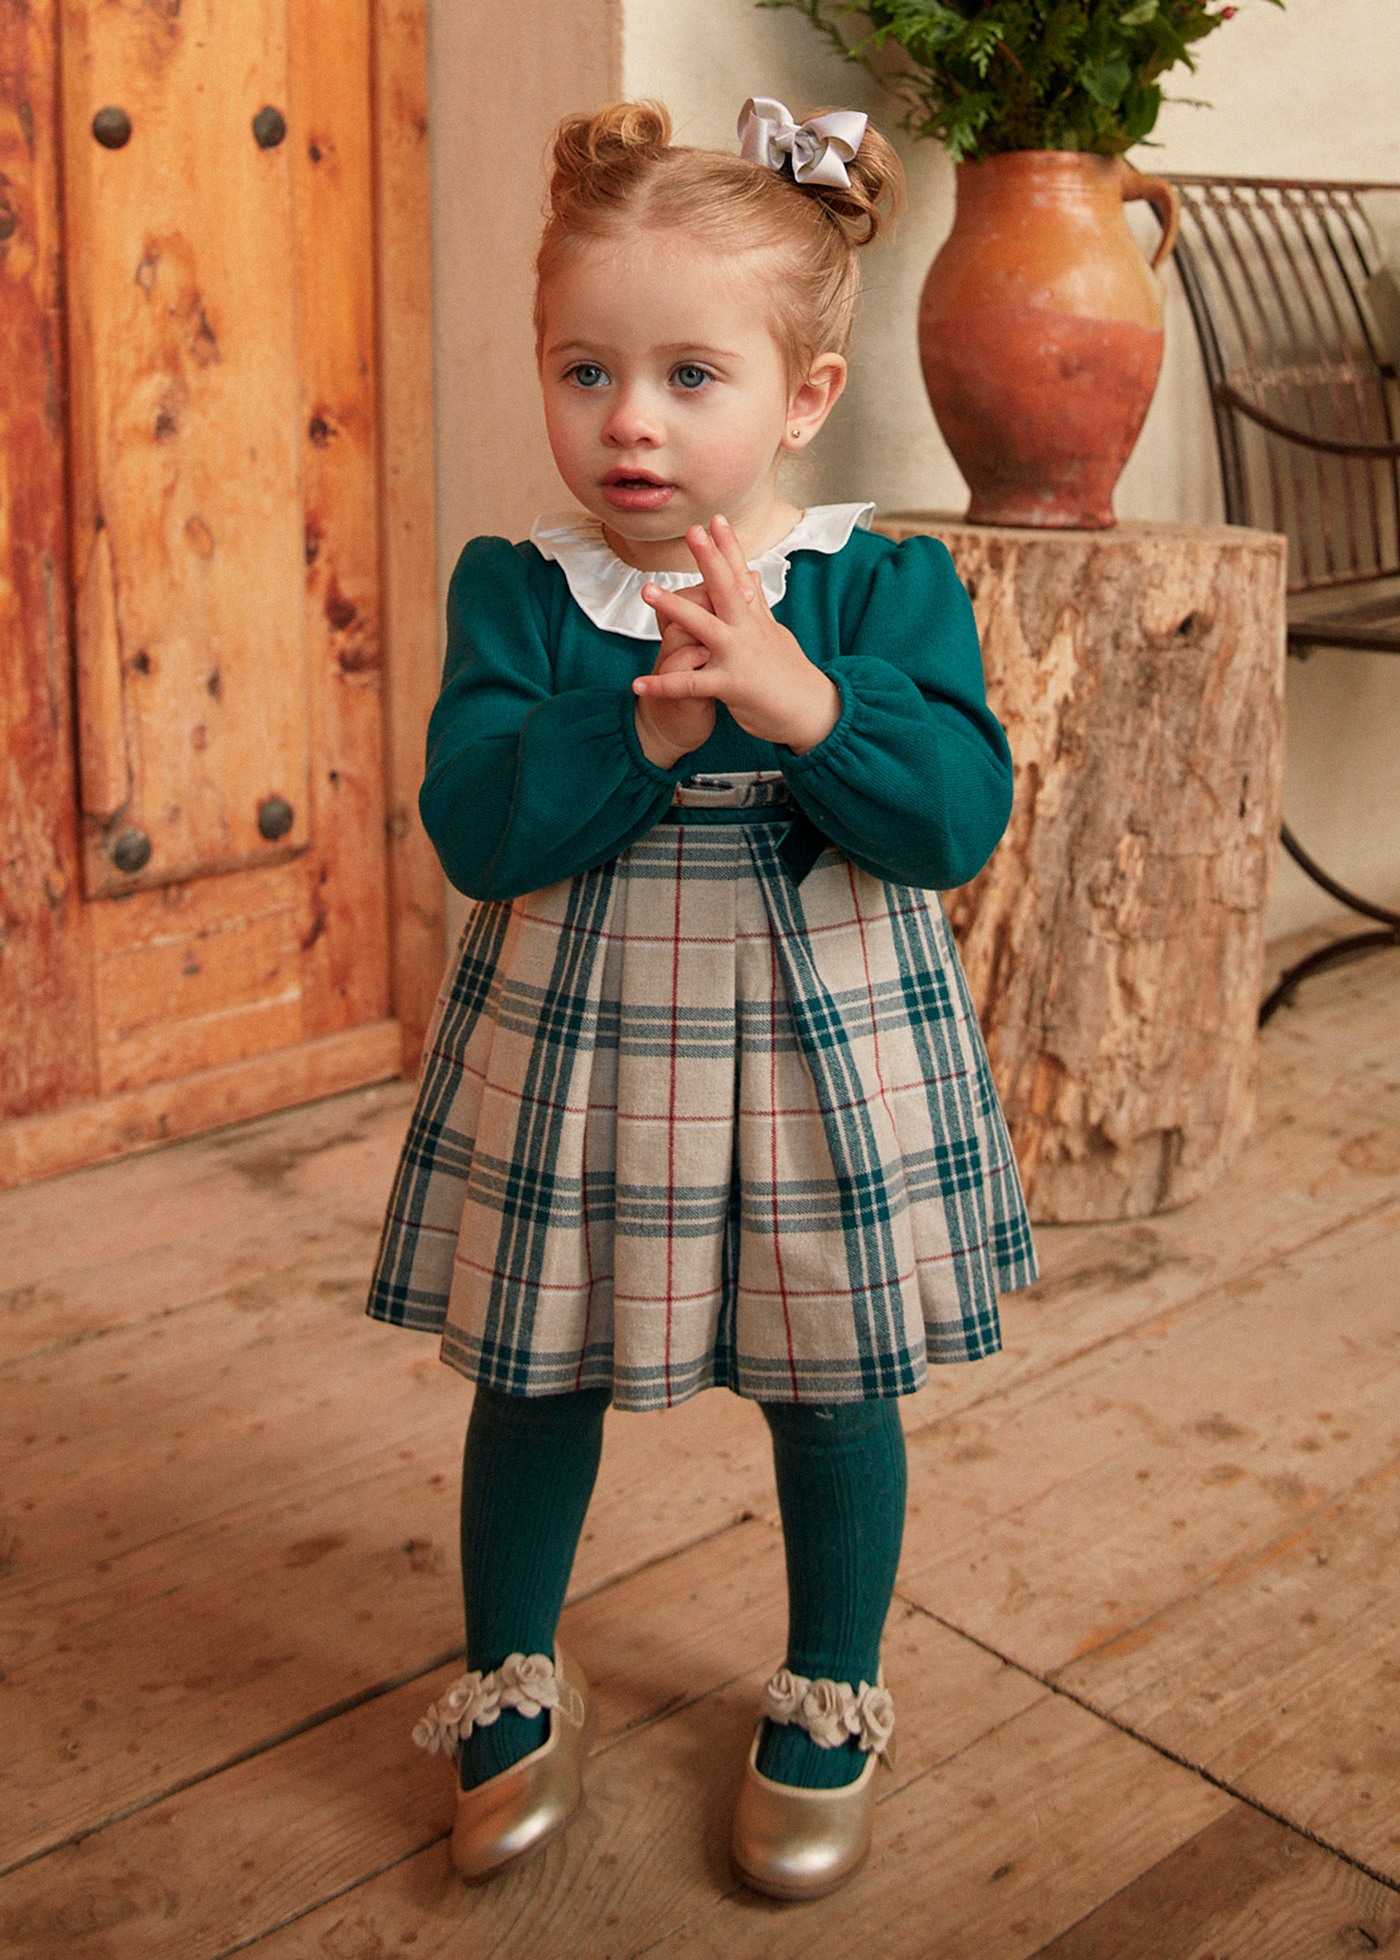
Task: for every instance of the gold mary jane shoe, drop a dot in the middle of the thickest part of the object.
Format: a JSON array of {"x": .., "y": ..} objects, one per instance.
[
  {"x": 520, "y": 1809},
  {"x": 801, "y": 1844}
]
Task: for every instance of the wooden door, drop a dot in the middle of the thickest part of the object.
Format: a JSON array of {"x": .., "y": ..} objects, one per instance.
[{"x": 215, "y": 900}]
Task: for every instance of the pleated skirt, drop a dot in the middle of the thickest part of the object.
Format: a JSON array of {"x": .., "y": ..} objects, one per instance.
[{"x": 685, "y": 1121}]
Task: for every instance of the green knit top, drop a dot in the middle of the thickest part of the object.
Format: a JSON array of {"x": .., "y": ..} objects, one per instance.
[{"x": 535, "y": 772}]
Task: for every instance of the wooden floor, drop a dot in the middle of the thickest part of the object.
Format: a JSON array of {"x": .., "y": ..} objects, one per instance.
[{"x": 1146, "y": 1649}]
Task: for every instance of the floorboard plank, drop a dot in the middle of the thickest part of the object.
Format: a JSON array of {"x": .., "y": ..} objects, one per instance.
[
  {"x": 274, "y": 1836},
  {"x": 1280, "y": 1679},
  {"x": 167, "y": 1424},
  {"x": 1244, "y": 1888},
  {"x": 1176, "y": 1450},
  {"x": 150, "y": 1234},
  {"x": 196, "y": 1874}
]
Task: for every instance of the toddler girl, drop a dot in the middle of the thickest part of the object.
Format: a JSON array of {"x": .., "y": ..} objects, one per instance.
[{"x": 705, "y": 1102}]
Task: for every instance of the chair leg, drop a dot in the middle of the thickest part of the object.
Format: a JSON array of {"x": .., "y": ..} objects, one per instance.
[{"x": 1352, "y": 947}]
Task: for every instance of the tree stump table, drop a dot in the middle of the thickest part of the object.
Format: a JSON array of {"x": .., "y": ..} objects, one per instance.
[{"x": 1115, "y": 943}]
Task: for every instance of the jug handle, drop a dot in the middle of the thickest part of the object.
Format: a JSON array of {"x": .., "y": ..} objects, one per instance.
[{"x": 1165, "y": 200}]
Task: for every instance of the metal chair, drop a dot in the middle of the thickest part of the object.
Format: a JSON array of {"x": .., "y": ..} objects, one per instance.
[{"x": 1281, "y": 278}]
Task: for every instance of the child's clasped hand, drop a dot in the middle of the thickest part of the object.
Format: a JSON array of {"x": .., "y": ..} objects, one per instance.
[{"x": 720, "y": 642}]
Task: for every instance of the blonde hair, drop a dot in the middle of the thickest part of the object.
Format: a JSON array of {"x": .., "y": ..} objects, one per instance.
[{"x": 617, "y": 172}]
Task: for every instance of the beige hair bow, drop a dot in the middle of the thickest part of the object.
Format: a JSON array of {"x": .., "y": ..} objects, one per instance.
[{"x": 817, "y": 151}]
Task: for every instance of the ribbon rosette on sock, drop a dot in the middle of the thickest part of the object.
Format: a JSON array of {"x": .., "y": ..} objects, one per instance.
[
  {"x": 830, "y": 1711},
  {"x": 826, "y": 1713},
  {"x": 528, "y": 1683},
  {"x": 783, "y": 1696},
  {"x": 472, "y": 1702},
  {"x": 874, "y": 1719}
]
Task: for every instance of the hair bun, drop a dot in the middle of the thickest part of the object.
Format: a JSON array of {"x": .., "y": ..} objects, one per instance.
[
  {"x": 617, "y": 173},
  {"x": 590, "y": 149},
  {"x": 871, "y": 201}
]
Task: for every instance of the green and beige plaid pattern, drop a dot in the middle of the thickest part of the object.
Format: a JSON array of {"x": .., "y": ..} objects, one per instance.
[{"x": 684, "y": 1123}]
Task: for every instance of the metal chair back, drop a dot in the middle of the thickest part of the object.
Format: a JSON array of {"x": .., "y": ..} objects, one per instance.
[{"x": 1281, "y": 278}]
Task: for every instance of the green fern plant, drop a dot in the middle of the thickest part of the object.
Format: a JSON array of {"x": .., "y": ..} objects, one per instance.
[{"x": 981, "y": 76}]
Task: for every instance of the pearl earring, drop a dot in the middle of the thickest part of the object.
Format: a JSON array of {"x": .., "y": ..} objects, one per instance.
[{"x": 796, "y": 434}]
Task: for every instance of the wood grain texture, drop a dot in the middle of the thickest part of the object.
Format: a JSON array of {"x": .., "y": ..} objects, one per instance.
[
  {"x": 407, "y": 503},
  {"x": 222, "y": 339},
  {"x": 1184, "y": 1447},
  {"x": 46, "y": 1047},
  {"x": 1299, "y": 1645},
  {"x": 1115, "y": 943},
  {"x": 194, "y": 975},
  {"x": 156, "y": 1233},
  {"x": 297, "y": 1830},
  {"x": 1244, "y": 1888},
  {"x": 291, "y": 1827},
  {"x": 122, "y": 1442},
  {"x": 214, "y": 1586},
  {"x": 86, "y": 1132},
  {"x": 186, "y": 459},
  {"x": 194, "y": 1648},
  {"x": 344, "y": 928},
  {"x": 992, "y": 1852}
]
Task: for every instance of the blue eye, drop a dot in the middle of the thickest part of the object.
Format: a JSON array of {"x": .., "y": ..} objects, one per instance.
[
  {"x": 588, "y": 375},
  {"x": 690, "y": 375}
]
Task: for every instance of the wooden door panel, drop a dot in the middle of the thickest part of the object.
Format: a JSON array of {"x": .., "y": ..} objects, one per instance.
[
  {"x": 195, "y": 975},
  {"x": 46, "y": 1043},
  {"x": 332, "y": 148},
  {"x": 200, "y": 629},
  {"x": 186, "y": 439}
]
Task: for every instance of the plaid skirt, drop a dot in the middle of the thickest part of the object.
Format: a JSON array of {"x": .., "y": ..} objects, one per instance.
[{"x": 686, "y": 1122}]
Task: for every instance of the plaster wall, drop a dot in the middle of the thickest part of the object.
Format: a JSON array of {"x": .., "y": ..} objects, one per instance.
[
  {"x": 500, "y": 77},
  {"x": 501, "y": 74}
]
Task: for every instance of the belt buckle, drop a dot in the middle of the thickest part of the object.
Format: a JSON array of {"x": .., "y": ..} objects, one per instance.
[{"x": 743, "y": 790}]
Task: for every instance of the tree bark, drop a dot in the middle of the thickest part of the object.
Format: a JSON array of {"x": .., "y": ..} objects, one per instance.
[{"x": 1115, "y": 943}]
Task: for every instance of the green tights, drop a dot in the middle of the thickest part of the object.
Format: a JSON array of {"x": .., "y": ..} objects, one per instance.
[{"x": 527, "y": 1477}]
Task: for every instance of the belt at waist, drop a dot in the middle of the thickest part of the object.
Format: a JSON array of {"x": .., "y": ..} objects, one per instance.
[
  {"x": 758, "y": 798},
  {"x": 742, "y": 790}
]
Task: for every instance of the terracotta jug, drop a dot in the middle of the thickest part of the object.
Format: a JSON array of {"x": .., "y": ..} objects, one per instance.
[{"x": 1040, "y": 332}]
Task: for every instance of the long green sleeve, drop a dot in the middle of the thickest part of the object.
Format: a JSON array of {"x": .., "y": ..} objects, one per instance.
[
  {"x": 914, "y": 781},
  {"x": 527, "y": 782}
]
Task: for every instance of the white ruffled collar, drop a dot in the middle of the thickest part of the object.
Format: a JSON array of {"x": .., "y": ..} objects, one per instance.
[{"x": 610, "y": 591}]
